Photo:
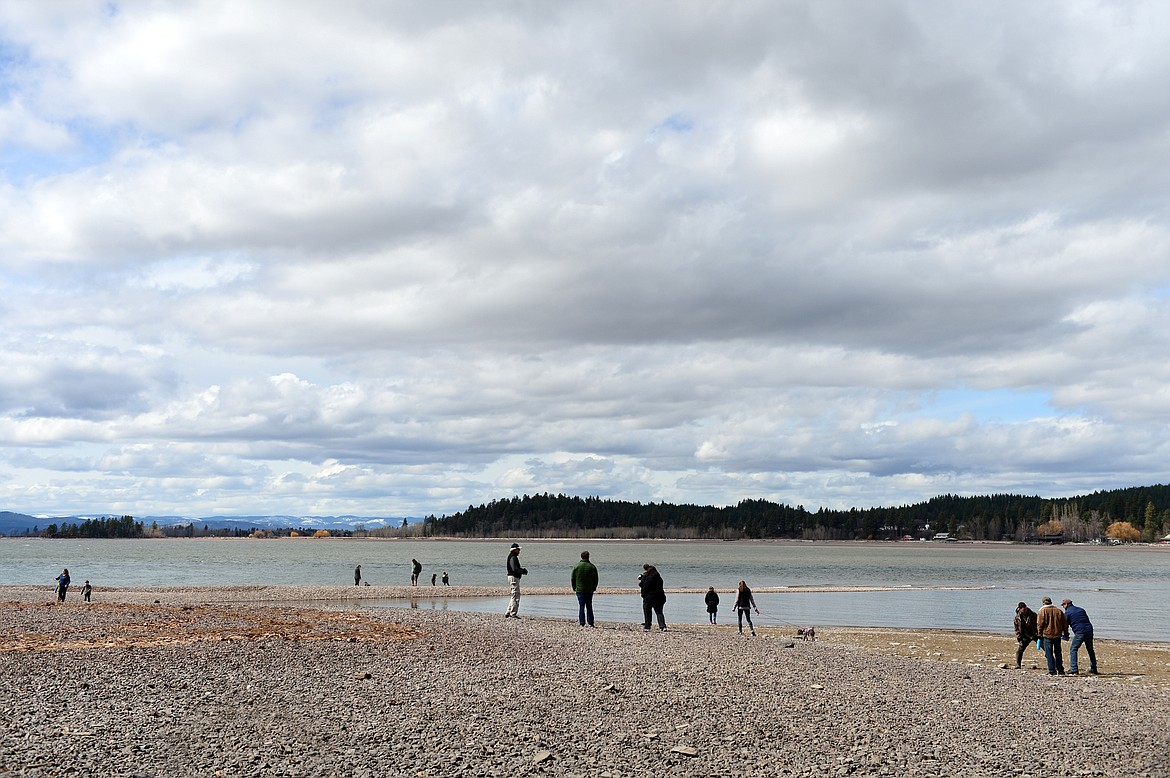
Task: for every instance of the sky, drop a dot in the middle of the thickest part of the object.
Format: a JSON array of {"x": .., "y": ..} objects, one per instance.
[{"x": 399, "y": 258}]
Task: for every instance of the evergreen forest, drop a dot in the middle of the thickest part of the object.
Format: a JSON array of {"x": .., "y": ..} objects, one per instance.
[{"x": 994, "y": 517}]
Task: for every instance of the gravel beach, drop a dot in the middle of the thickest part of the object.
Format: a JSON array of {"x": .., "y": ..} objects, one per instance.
[{"x": 260, "y": 681}]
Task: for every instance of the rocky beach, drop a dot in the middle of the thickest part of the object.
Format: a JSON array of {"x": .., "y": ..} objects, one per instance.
[{"x": 294, "y": 681}]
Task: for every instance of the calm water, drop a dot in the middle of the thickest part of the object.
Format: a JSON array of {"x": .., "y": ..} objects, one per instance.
[{"x": 1123, "y": 588}]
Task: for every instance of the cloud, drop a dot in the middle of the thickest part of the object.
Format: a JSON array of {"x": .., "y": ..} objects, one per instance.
[{"x": 399, "y": 258}]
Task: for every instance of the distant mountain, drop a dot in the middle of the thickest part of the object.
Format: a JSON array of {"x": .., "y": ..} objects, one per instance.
[
  {"x": 280, "y": 522},
  {"x": 19, "y": 523},
  {"x": 16, "y": 523}
]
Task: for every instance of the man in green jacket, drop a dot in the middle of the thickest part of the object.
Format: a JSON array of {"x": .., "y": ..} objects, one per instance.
[{"x": 584, "y": 580}]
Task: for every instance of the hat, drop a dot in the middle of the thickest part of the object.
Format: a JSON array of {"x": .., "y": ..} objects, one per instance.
[
  {"x": 1022, "y": 605},
  {"x": 1047, "y": 601},
  {"x": 516, "y": 545}
]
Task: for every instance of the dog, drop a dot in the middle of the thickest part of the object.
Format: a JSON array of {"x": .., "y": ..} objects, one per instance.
[{"x": 807, "y": 633}]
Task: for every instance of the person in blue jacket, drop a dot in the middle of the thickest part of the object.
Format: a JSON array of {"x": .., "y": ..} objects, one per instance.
[
  {"x": 1082, "y": 629},
  {"x": 62, "y": 585}
]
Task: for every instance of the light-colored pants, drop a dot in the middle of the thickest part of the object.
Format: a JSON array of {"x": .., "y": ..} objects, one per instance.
[{"x": 514, "y": 605}]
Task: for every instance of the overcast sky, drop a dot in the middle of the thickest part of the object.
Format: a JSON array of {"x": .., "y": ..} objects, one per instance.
[{"x": 396, "y": 258}]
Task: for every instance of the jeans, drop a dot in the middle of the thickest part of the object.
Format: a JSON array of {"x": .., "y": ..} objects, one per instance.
[
  {"x": 514, "y": 604},
  {"x": 1077, "y": 639},
  {"x": 657, "y": 609},
  {"x": 585, "y": 608},
  {"x": 740, "y": 613},
  {"x": 1053, "y": 653}
]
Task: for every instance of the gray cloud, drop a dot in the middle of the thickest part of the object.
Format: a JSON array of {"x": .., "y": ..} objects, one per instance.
[{"x": 406, "y": 258}]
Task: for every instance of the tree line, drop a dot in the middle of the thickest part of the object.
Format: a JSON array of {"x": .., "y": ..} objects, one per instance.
[
  {"x": 992, "y": 517},
  {"x": 111, "y": 527},
  {"x": 1132, "y": 514}
]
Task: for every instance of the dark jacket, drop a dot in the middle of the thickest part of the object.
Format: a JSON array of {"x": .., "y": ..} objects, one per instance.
[
  {"x": 584, "y": 577},
  {"x": 1025, "y": 622},
  {"x": 514, "y": 568},
  {"x": 744, "y": 600},
  {"x": 1078, "y": 620},
  {"x": 650, "y": 582},
  {"x": 712, "y": 600}
]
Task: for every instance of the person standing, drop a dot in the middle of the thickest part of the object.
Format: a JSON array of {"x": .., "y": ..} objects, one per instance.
[
  {"x": 1025, "y": 623},
  {"x": 653, "y": 596},
  {"x": 357, "y": 576},
  {"x": 434, "y": 577},
  {"x": 446, "y": 579},
  {"x": 584, "y": 581},
  {"x": 62, "y": 584},
  {"x": 415, "y": 570},
  {"x": 744, "y": 603},
  {"x": 1082, "y": 629},
  {"x": 515, "y": 572},
  {"x": 1052, "y": 626},
  {"x": 86, "y": 591},
  {"x": 712, "y": 600}
]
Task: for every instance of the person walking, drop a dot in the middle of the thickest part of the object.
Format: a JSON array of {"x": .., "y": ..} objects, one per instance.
[
  {"x": 1052, "y": 626},
  {"x": 357, "y": 576},
  {"x": 515, "y": 573},
  {"x": 744, "y": 603},
  {"x": 1025, "y": 624},
  {"x": 653, "y": 597},
  {"x": 86, "y": 591},
  {"x": 712, "y": 600},
  {"x": 415, "y": 570},
  {"x": 584, "y": 581},
  {"x": 1082, "y": 629},
  {"x": 62, "y": 584}
]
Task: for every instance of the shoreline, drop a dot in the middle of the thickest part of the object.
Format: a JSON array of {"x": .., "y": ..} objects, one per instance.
[{"x": 1130, "y": 659}]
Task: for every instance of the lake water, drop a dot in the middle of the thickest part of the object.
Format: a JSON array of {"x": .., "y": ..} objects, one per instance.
[{"x": 1123, "y": 588}]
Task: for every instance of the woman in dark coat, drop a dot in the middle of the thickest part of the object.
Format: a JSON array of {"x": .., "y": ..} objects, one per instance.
[
  {"x": 653, "y": 597},
  {"x": 744, "y": 603}
]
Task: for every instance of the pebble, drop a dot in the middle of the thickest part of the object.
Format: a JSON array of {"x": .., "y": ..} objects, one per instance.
[{"x": 450, "y": 694}]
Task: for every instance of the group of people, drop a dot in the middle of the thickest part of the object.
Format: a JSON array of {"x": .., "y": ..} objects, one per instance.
[
  {"x": 1051, "y": 626},
  {"x": 415, "y": 570},
  {"x": 62, "y": 587},
  {"x": 584, "y": 578},
  {"x": 745, "y": 603}
]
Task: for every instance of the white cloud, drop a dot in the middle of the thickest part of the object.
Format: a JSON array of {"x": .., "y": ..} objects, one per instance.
[{"x": 406, "y": 258}]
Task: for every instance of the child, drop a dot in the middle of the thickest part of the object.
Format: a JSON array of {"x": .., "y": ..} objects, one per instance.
[
  {"x": 712, "y": 600},
  {"x": 86, "y": 591}
]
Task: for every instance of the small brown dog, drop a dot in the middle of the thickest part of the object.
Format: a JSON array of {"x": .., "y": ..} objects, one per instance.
[{"x": 807, "y": 633}]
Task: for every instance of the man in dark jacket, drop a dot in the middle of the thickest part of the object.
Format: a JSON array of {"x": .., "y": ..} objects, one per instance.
[
  {"x": 584, "y": 581},
  {"x": 653, "y": 596},
  {"x": 515, "y": 571},
  {"x": 1025, "y": 630},
  {"x": 1082, "y": 629}
]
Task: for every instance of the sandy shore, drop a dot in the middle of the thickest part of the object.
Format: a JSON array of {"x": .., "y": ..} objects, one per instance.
[{"x": 251, "y": 681}]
